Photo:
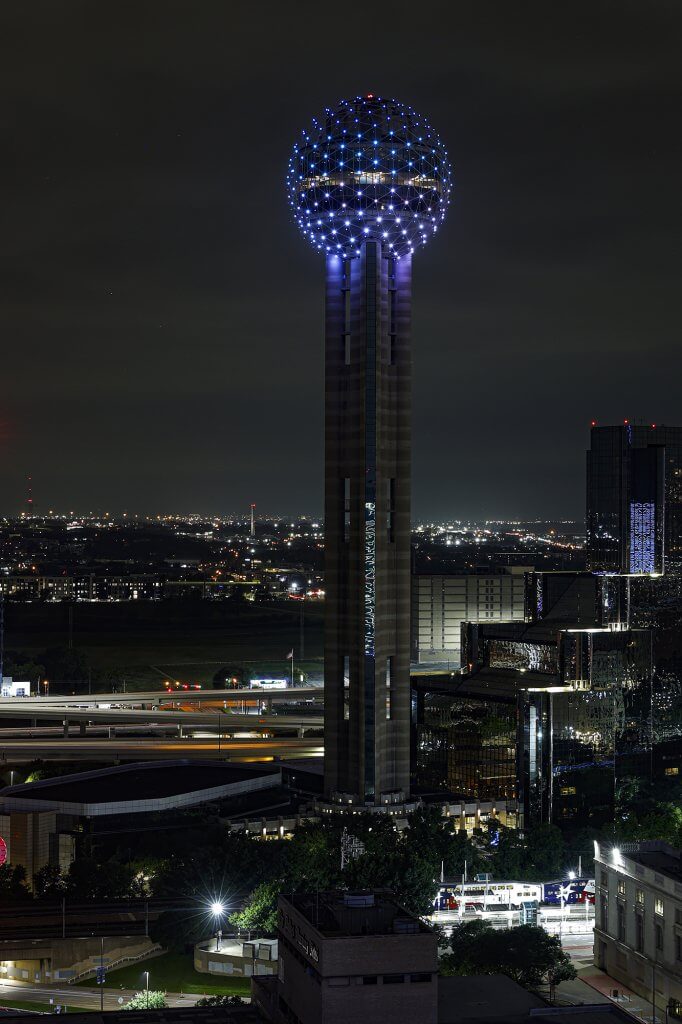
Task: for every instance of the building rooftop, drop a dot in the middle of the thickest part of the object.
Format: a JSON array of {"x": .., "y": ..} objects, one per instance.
[
  {"x": 104, "y": 790},
  {"x": 245, "y": 1014},
  {"x": 495, "y": 998},
  {"x": 340, "y": 914},
  {"x": 658, "y": 856},
  {"x": 484, "y": 997}
]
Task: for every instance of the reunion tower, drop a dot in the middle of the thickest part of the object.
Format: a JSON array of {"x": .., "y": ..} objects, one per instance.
[{"x": 368, "y": 182}]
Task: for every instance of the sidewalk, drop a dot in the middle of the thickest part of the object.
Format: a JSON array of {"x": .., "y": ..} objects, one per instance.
[{"x": 628, "y": 1000}]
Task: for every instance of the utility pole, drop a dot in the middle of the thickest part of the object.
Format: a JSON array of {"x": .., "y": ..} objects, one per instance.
[{"x": 101, "y": 974}]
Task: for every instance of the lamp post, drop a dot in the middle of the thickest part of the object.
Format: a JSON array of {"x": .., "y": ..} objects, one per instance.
[
  {"x": 217, "y": 909},
  {"x": 146, "y": 997}
]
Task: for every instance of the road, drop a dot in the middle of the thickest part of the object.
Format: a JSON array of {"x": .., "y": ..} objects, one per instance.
[
  {"x": 148, "y": 697},
  {"x": 85, "y": 998},
  {"x": 215, "y": 719},
  {"x": 149, "y": 749}
]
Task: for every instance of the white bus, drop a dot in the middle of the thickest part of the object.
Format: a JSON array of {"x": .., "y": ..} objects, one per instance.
[{"x": 481, "y": 896}]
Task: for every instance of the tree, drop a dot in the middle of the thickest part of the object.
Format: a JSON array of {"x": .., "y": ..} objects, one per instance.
[
  {"x": 13, "y": 887},
  {"x": 508, "y": 854},
  {"x": 463, "y": 938},
  {"x": 260, "y": 911},
  {"x": 547, "y": 851},
  {"x": 658, "y": 821},
  {"x": 527, "y": 954},
  {"x": 92, "y": 881},
  {"x": 313, "y": 858},
  {"x": 49, "y": 882},
  {"x": 152, "y": 1000}
]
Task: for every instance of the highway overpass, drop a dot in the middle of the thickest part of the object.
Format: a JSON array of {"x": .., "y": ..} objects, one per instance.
[
  {"x": 115, "y": 750},
  {"x": 155, "y": 698},
  {"x": 36, "y": 710}
]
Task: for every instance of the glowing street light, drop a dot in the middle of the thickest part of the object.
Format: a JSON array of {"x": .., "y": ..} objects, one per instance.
[{"x": 218, "y": 909}]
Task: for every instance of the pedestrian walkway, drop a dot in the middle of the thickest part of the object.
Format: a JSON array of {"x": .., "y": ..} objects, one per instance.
[{"x": 628, "y": 1000}]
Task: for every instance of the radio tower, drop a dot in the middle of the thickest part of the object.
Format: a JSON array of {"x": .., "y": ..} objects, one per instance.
[
  {"x": 29, "y": 496},
  {"x": 253, "y": 520}
]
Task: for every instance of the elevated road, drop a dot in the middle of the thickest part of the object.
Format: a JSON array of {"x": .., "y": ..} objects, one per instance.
[
  {"x": 216, "y": 718},
  {"x": 15, "y": 751},
  {"x": 155, "y": 698}
]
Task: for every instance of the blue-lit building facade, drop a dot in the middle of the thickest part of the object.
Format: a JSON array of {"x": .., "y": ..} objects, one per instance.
[
  {"x": 634, "y": 499},
  {"x": 368, "y": 183}
]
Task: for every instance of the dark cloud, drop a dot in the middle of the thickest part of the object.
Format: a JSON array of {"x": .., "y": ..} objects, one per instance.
[{"x": 162, "y": 320}]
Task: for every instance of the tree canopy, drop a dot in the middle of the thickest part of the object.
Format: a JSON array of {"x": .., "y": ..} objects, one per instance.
[{"x": 527, "y": 954}]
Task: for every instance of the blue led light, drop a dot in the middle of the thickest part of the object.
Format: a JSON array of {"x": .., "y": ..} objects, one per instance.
[{"x": 374, "y": 177}]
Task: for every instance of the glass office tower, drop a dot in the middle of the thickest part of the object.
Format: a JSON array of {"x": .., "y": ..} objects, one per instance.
[{"x": 634, "y": 499}]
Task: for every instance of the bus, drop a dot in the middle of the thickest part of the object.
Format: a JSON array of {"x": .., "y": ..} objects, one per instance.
[{"x": 482, "y": 896}]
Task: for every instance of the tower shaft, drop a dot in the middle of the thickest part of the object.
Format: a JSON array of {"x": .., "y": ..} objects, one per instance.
[{"x": 367, "y": 524}]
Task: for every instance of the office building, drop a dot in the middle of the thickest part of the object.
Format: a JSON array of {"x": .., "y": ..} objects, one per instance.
[
  {"x": 368, "y": 184},
  {"x": 442, "y": 603},
  {"x": 33, "y": 839},
  {"x": 634, "y": 499},
  {"x": 638, "y": 923},
  {"x": 558, "y": 713},
  {"x": 350, "y": 957}
]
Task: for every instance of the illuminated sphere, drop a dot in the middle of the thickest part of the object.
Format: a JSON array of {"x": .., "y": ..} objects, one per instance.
[{"x": 370, "y": 168}]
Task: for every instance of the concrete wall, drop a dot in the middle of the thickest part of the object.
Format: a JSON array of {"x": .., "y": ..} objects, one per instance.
[
  {"x": 54, "y": 959},
  {"x": 441, "y": 603},
  {"x": 638, "y": 928}
]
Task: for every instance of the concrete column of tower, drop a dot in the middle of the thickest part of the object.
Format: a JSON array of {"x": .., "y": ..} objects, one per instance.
[{"x": 367, "y": 524}]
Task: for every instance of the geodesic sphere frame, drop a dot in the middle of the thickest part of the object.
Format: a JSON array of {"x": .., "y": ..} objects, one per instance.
[{"x": 370, "y": 168}]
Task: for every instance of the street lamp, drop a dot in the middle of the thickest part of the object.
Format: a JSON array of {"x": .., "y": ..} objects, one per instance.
[
  {"x": 217, "y": 909},
  {"x": 146, "y": 998}
]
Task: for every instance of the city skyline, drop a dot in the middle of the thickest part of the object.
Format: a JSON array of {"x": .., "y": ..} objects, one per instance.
[{"x": 150, "y": 365}]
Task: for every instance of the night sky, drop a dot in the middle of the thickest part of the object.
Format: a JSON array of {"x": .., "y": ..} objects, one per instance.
[{"x": 162, "y": 318}]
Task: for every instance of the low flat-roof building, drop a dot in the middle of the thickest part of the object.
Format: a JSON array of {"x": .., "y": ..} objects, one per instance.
[
  {"x": 350, "y": 957},
  {"x": 139, "y": 788},
  {"x": 638, "y": 923}
]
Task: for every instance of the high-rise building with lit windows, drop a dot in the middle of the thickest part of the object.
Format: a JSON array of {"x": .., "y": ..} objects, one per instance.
[
  {"x": 634, "y": 498},
  {"x": 368, "y": 182}
]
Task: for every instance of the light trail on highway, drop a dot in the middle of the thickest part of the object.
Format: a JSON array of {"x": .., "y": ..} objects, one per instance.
[{"x": 118, "y": 749}]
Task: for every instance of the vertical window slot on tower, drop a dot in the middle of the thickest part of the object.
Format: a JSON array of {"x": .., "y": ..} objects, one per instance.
[
  {"x": 346, "y": 687},
  {"x": 392, "y": 331},
  {"x": 346, "y": 508},
  {"x": 389, "y": 673},
  {"x": 346, "y": 312},
  {"x": 390, "y": 510}
]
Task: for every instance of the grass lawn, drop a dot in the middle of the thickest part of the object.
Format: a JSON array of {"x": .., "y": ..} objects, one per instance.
[{"x": 173, "y": 972}]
